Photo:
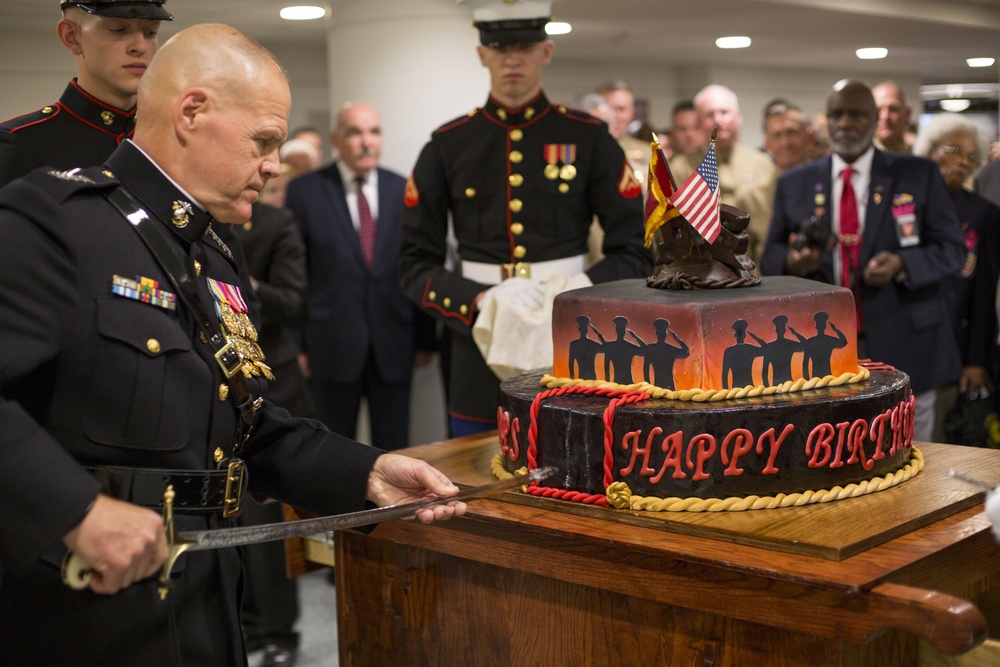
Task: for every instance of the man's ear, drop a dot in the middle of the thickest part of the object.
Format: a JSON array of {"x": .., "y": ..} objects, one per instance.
[
  {"x": 190, "y": 110},
  {"x": 481, "y": 50},
  {"x": 69, "y": 34}
]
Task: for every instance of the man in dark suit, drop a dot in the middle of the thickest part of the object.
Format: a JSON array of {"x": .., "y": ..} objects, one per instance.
[
  {"x": 896, "y": 241},
  {"x": 361, "y": 334}
]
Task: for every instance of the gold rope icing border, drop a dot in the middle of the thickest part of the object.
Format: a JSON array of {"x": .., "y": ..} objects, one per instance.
[
  {"x": 707, "y": 395},
  {"x": 620, "y": 496}
]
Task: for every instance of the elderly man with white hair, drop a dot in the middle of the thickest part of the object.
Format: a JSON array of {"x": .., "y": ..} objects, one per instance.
[
  {"x": 954, "y": 143},
  {"x": 746, "y": 176}
]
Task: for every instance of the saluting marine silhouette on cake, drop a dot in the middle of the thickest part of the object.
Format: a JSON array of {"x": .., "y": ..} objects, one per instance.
[{"x": 737, "y": 361}]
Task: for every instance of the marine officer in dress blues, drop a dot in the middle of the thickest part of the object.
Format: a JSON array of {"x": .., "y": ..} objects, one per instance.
[
  {"x": 522, "y": 179},
  {"x": 116, "y": 379},
  {"x": 113, "y": 42}
]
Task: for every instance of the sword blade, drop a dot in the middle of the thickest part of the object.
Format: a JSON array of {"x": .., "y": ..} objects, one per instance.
[{"x": 234, "y": 537}]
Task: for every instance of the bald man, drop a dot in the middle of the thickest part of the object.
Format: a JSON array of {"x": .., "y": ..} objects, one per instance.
[
  {"x": 746, "y": 176},
  {"x": 120, "y": 311},
  {"x": 896, "y": 244},
  {"x": 362, "y": 334}
]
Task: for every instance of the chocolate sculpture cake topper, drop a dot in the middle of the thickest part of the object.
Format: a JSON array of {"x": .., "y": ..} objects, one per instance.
[{"x": 702, "y": 242}]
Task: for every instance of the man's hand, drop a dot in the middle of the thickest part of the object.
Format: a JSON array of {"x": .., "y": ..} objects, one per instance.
[
  {"x": 802, "y": 262},
  {"x": 530, "y": 293},
  {"x": 121, "y": 542},
  {"x": 973, "y": 377},
  {"x": 397, "y": 479},
  {"x": 882, "y": 269}
]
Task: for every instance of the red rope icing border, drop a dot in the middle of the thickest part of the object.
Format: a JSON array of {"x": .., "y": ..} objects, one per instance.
[{"x": 618, "y": 397}]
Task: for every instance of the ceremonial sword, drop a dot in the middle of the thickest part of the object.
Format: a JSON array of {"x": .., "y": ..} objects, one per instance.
[{"x": 77, "y": 574}]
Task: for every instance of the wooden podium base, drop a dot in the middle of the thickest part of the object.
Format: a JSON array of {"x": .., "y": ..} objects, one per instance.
[{"x": 520, "y": 582}]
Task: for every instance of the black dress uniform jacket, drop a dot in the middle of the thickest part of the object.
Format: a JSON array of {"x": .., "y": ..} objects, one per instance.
[
  {"x": 488, "y": 170},
  {"x": 77, "y": 131},
  {"x": 92, "y": 378}
]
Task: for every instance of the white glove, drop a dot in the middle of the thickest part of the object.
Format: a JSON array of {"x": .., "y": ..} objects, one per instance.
[
  {"x": 524, "y": 292},
  {"x": 993, "y": 510}
]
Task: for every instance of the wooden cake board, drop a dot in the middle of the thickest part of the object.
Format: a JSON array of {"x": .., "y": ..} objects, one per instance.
[{"x": 850, "y": 526}]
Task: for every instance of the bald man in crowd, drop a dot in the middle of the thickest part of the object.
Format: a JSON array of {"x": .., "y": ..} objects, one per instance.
[
  {"x": 890, "y": 235},
  {"x": 746, "y": 176},
  {"x": 129, "y": 323},
  {"x": 893, "y": 117}
]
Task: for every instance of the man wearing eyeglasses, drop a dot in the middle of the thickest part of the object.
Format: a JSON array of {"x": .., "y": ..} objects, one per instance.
[{"x": 893, "y": 239}]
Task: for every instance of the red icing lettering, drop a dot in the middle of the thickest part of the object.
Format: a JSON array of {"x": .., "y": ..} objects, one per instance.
[
  {"x": 876, "y": 436},
  {"x": 819, "y": 441},
  {"x": 631, "y": 439},
  {"x": 507, "y": 432},
  {"x": 896, "y": 424},
  {"x": 706, "y": 446},
  {"x": 856, "y": 444},
  {"x": 673, "y": 445},
  {"x": 841, "y": 431},
  {"x": 776, "y": 444},
  {"x": 743, "y": 445}
]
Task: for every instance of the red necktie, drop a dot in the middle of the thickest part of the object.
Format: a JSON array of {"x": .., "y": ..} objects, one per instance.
[
  {"x": 850, "y": 239},
  {"x": 366, "y": 224}
]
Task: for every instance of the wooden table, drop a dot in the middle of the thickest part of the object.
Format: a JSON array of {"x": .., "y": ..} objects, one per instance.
[{"x": 523, "y": 581}]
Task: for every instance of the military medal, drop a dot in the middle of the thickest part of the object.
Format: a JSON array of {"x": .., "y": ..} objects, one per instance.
[
  {"x": 551, "y": 158},
  {"x": 567, "y": 155},
  {"x": 240, "y": 331},
  {"x": 568, "y": 172}
]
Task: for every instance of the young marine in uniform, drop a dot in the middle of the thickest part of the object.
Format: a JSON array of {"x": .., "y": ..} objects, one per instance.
[{"x": 521, "y": 179}]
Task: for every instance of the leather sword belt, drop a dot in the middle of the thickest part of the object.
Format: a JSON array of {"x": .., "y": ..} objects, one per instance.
[
  {"x": 196, "y": 491},
  {"x": 494, "y": 274}
]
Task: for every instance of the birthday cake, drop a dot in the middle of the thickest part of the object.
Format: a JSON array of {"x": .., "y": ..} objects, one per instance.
[{"x": 708, "y": 401}]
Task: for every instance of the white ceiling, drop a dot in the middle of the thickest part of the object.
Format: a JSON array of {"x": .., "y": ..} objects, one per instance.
[{"x": 928, "y": 40}]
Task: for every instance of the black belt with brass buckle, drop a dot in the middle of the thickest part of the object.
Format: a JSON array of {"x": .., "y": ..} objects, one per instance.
[{"x": 196, "y": 491}]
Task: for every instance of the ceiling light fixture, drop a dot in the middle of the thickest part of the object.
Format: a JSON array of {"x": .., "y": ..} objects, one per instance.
[
  {"x": 872, "y": 53},
  {"x": 558, "y": 28},
  {"x": 733, "y": 42},
  {"x": 302, "y": 13},
  {"x": 954, "y": 105},
  {"x": 980, "y": 62}
]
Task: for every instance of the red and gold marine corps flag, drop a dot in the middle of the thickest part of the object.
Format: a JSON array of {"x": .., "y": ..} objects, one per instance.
[{"x": 660, "y": 187}]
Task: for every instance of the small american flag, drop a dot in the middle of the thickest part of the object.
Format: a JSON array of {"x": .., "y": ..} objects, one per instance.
[{"x": 698, "y": 197}]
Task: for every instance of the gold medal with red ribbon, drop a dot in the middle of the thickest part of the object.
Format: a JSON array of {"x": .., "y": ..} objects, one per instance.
[{"x": 240, "y": 331}]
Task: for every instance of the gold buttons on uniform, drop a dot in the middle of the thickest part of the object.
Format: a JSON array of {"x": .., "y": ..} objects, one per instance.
[
  {"x": 520, "y": 251},
  {"x": 564, "y": 188},
  {"x": 516, "y": 157},
  {"x": 107, "y": 117},
  {"x": 223, "y": 391},
  {"x": 447, "y": 302},
  {"x": 217, "y": 455},
  {"x": 108, "y": 173},
  {"x": 432, "y": 295},
  {"x": 516, "y": 205},
  {"x": 516, "y": 135},
  {"x": 153, "y": 345},
  {"x": 515, "y": 180},
  {"x": 47, "y": 110},
  {"x": 463, "y": 309},
  {"x": 528, "y": 113},
  {"x": 470, "y": 192},
  {"x": 516, "y": 228},
  {"x": 248, "y": 225},
  {"x": 501, "y": 114},
  {"x": 197, "y": 268}
]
